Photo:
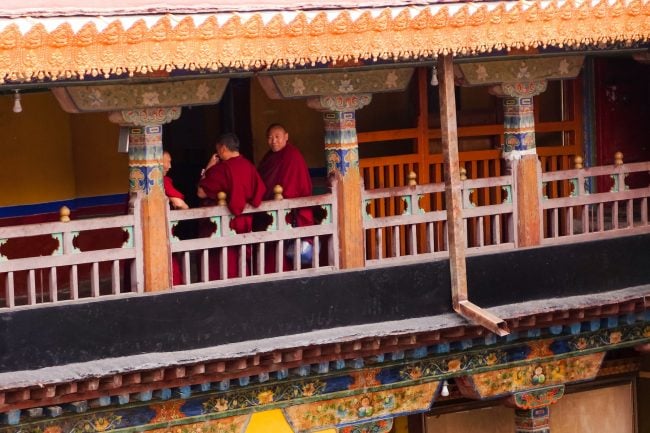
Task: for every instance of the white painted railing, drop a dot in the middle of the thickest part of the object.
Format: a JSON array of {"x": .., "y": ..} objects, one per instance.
[
  {"x": 194, "y": 254},
  {"x": 71, "y": 271},
  {"x": 415, "y": 230},
  {"x": 581, "y": 214}
]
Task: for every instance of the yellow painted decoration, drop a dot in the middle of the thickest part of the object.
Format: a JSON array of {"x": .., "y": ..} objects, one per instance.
[
  {"x": 269, "y": 421},
  {"x": 101, "y": 46}
]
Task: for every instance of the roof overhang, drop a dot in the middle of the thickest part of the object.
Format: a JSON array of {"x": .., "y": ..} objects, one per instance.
[{"x": 76, "y": 47}]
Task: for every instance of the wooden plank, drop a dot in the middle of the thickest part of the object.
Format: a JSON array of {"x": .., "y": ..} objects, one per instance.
[
  {"x": 31, "y": 287},
  {"x": 94, "y": 280},
  {"x": 453, "y": 198},
  {"x": 115, "y": 277},
  {"x": 9, "y": 290},
  {"x": 74, "y": 283},
  {"x": 54, "y": 293}
]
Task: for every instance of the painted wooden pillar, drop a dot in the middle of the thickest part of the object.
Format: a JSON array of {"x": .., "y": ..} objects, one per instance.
[
  {"x": 146, "y": 180},
  {"x": 520, "y": 152},
  {"x": 532, "y": 420},
  {"x": 342, "y": 156}
]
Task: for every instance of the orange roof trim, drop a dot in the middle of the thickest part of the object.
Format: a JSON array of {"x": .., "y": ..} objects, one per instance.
[{"x": 74, "y": 47}]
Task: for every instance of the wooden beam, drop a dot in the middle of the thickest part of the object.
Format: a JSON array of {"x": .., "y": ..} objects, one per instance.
[
  {"x": 454, "y": 204},
  {"x": 453, "y": 198}
]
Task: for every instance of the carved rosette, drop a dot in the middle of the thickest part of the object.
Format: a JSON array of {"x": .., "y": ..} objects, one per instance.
[
  {"x": 145, "y": 116},
  {"x": 519, "y": 89},
  {"x": 339, "y": 102}
]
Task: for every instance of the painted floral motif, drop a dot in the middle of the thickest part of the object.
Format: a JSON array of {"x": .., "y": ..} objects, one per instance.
[
  {"x": 97, "y": 423},
  {"x": 615, "y": 337},
  {"x": 265, "y": 397},
  {"x": 365, "y": 378},
  {"x": 520, "y": 378},
  {"x": 298, "y": 86},
  {"x": 202, "y": 92},
  {"x": 563, "y": 67},
  {"x": 360, "y": 407},
  {"x": 149, "y": 99},
  {"x": 391, "y": 80},
  {"x": 95, "y": 98},
  {"x": 168, "y": 411},
  {"x": 345, "y": 86},
  {"x": 453, "y": 365},
  {"x": 481, "y": 72},
  {"x": 491, "y": 359}
]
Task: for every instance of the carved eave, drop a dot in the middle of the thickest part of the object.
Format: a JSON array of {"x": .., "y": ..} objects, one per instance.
[
  {"x": 609, "y": 323},
  {"x": 116, "y": 97},
  {"x": 36, "y": 48}
]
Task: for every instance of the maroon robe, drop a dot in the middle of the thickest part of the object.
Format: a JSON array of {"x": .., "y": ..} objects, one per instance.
[
  {"x": 242, "y": 184},
  {"x": 288, "y": 169},
  {"x": 171, "y": 191}
]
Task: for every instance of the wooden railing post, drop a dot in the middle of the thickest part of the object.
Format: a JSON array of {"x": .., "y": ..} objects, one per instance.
[
  {"x": 342, "y": 156},
  {"x": 146, "y": 178},
  {"x": 519, "y": 149}
]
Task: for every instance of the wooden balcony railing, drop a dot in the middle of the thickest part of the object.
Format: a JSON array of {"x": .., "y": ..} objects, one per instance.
[
  {"x": 280, "y": 236},
  {"x": 583, "y": 212},
  {"x": 102, "y": 257},
  {"x": 67, "y": 261},
  {"x": 417, "y": 229}
]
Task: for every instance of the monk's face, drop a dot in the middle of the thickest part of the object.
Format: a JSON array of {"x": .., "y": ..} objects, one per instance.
[
  {"x": 167, "y": 163},
  {"x": 277, "y": 139}
]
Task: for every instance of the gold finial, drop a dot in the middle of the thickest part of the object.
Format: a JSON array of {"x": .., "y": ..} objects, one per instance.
[
  {"x": 618, "y": 158},
  {"x": 577, "y": 162},
  {"x": 412, "y": 178},
  {"x": 277, "y": 192},
  {"x": 463, "y": 173},
  {"x": 221, "y": 198},
  {"x": 64, "y": 214}
]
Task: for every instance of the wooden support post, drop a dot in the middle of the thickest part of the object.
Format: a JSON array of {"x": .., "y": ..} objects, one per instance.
[
  {"x": 519, "y": 149},
  {"x": 146, "y": 180},
  {"x": 454, "y": 202},
  {"x": 342, "y": 156}
]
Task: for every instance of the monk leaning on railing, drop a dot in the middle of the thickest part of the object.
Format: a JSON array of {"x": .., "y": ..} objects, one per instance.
[{"x": 237, "y": 177}]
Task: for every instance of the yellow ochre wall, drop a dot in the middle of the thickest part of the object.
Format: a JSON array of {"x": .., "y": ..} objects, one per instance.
[
  {"x": 49, "y": 155},
  {"x": 37, "y": 163},
  {"x": 272, "y": 421},
  {"x": 99, "y": 168}
]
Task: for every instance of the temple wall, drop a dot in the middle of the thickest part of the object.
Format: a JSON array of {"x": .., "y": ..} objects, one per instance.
[
  {"x": 608, "y": 410},
  {"x": 49, "y": 155},
  {"x": 37, "y": 159},
  {"x": 99, "y": 168}
]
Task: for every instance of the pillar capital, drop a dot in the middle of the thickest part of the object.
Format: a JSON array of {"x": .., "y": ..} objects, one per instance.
[
  {"x": 351, "y": 102},
  {"x": 535, "y": 398},
  {"x": 518, "y": 89},
  {"x": 145, "y": 116}
]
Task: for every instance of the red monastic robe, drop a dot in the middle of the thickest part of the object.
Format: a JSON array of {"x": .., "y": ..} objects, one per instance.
[
  {"x": 288, "y": 169},
  {"x": 171, "y": 191},
  {"x": 242, "y": 184}
]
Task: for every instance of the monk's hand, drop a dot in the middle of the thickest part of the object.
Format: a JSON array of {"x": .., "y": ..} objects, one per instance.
[{"x": 214, "y": 159}]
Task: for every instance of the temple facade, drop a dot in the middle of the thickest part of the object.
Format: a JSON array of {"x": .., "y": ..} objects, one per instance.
[{"x": 479, "y": 258}]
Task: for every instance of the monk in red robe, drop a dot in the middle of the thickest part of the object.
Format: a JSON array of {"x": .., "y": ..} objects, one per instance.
[
  {"x": 284, "y": 165},
  {"x": 233, "y": 174},
  {"x": 176, "y": 201}
]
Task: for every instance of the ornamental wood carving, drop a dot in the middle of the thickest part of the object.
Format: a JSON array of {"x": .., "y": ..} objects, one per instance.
[{"x": 87, "y": 46}]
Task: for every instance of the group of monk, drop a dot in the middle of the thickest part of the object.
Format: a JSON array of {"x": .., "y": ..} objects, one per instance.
[{"x": 229, "y": 172}]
